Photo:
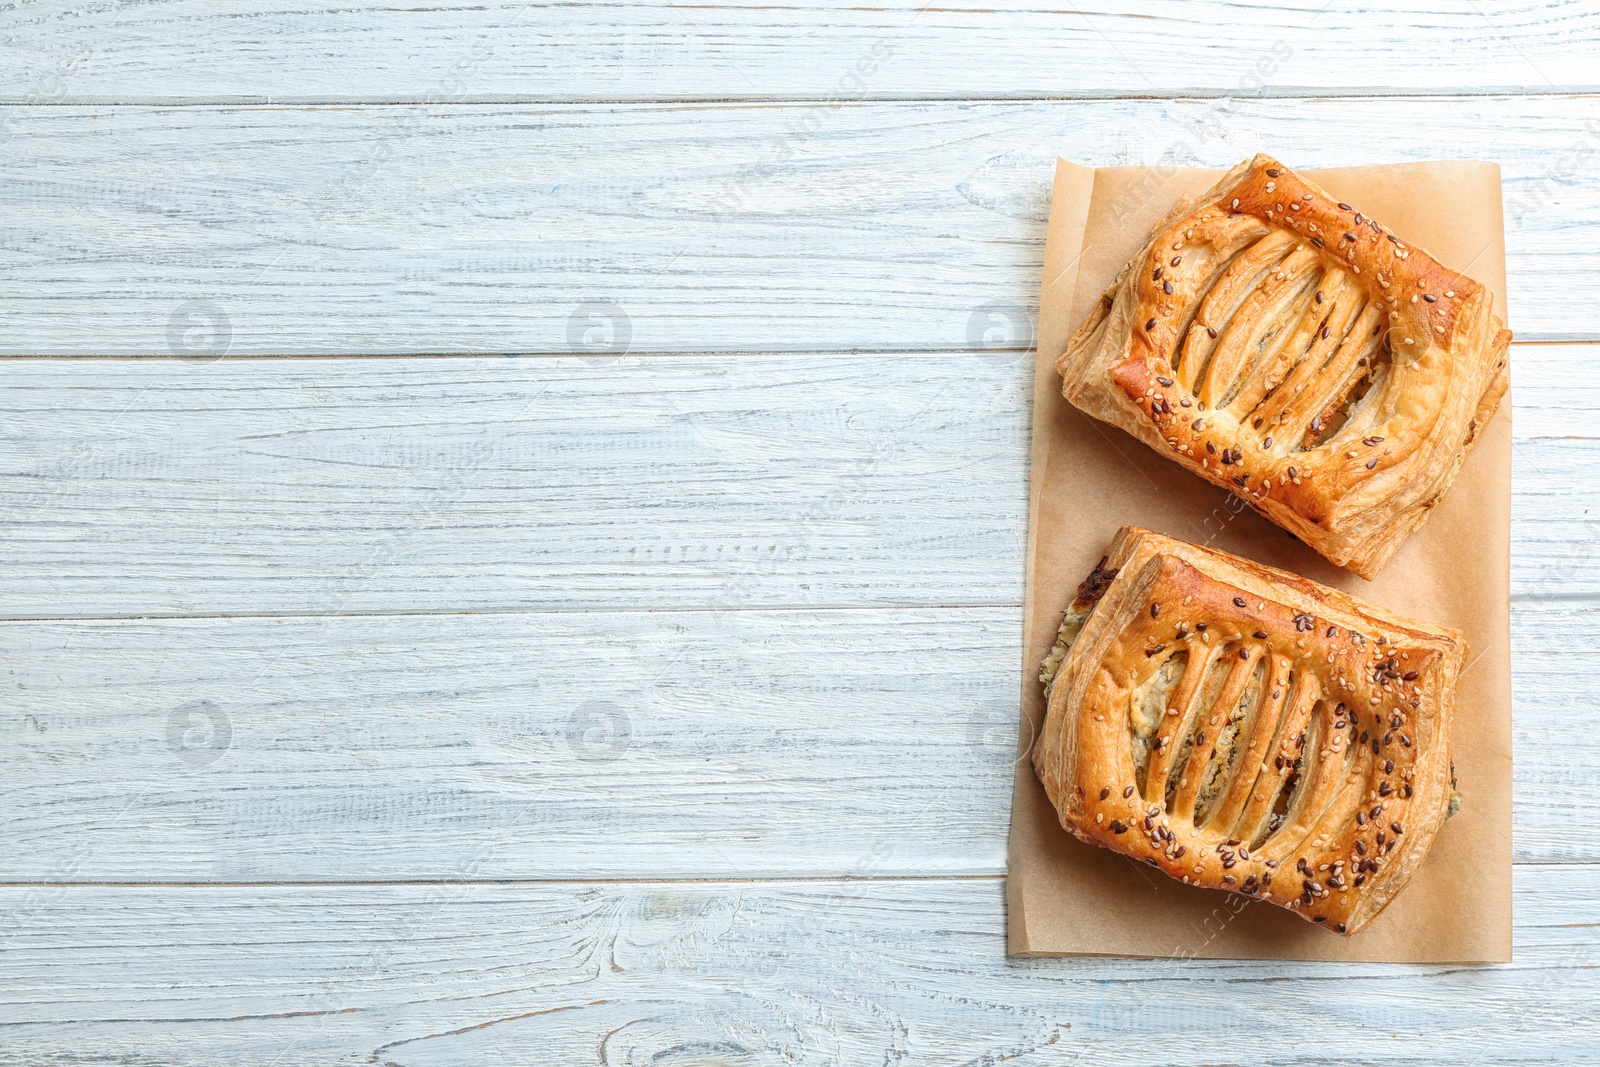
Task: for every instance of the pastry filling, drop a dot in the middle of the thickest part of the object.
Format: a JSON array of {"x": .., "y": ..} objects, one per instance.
[
  {"x": 1149, "y": 706},
  {"x": 1090, "y": 590},
  {"x": 1070, "y": 628},
  {"x": 1219, "y": 772}
]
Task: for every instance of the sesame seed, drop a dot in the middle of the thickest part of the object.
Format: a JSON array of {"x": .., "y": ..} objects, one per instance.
[
  {"x": 1343, "y": 206},
  {"x": 1319, "y": 296},
  {"x": 1176, "y": 260},
  {"x": 1105, "y": 792},
  {"x": 1430, "y": 298},
  {"x": 1150, "y": 325},
  {"x": 1128, "y": 792},
  {"x": 1167, "y": 382},
  {"x": 1371, "y": 463},
  {"x": 1273, "y": 172},
  {"x": 1155, "y": 610},
  {"x": 1211, "y": 332},
  {"x": 1236, "y": 203}
]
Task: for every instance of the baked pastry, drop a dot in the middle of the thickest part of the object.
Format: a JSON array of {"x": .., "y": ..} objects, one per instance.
[
  {"x": 1288, "y": 348},
  {"x": 1245, "y": 729}
]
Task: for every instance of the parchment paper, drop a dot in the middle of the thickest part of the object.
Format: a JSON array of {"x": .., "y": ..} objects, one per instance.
[{"x": 1068, "y": 898}]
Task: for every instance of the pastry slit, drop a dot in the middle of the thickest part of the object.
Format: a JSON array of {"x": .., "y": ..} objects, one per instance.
[
  {"x": 1243, "y": 237},
  {"x": 1342, "y": 809},
  {"x": 1276, "y": 788},
  {"x": 1289, "y": 348},
  {"x": 1345, "y": 303},
  {"x": 1252, "y": 765},
  {"x": 1232, "y": 741},
  {"x": 1173, "y": 727},
  {"x": 1344, "y": 372},
  {"x": 1149, "y": 709},
  {"x": 1324, "y": 764},
  {"x": 1220, "y": 305},
  {"x": 1213, "y": 719},
  {"x": 1265, "y": 319}
]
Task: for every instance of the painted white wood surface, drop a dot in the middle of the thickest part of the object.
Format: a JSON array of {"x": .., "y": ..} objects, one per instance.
[
  {"x": 203, "y": 230},
  {"x": 640, "y": 625},
  {"x": 138, "y": 487},
  {"x": 591, "y": 744},
  {"x": 585, "y": 745},
  {"x": 718, "y": 975},
  {"x": 67, "y": 51},
  {"x": 253, "y": 486}
]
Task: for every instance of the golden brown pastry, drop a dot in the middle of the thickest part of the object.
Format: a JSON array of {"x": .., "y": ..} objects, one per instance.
[
  {"x": 1287, "y": 348},
  {"x": 1245, "y": 729}
]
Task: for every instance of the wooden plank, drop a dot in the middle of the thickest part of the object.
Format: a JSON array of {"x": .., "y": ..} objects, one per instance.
[
  {"x": 66, "y": 51},
  {"x": 697, "y": 974},
  {"x": 584, "y": 745},
  {"x": 133, "y": 487},
  {"x": 590, "y": 229},
  {"x": 592, "y": 744}
]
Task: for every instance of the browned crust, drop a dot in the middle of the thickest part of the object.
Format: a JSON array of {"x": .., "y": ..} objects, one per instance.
[
  {"x": 1354, "y": 499},
  {"x": 1391, "y": 680}
]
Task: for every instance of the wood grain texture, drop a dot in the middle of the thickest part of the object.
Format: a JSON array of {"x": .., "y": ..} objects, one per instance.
[
  {"x": 210, "y": 230},
  {"x": 132, "y": 487},
  {"x": 69, "y": 51},
  {"x": 775, "y": 536},
  {"x": 592, "y": 744},
  {"x": 312, "y": 486},
  {"x": 583, "y": 745},
  {"x": 714, "y": 975}
]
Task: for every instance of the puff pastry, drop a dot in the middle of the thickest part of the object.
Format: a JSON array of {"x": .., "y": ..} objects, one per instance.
[
  {"x": 1288, "y": 348},
  {"x": 1244, "y": 729}
]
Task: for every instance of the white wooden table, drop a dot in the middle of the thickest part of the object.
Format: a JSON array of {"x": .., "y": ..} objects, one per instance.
[{"x": 487, "y": 644}]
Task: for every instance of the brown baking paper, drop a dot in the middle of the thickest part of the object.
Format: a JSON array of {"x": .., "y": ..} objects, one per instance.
[{"x": 1067, "y": 898}]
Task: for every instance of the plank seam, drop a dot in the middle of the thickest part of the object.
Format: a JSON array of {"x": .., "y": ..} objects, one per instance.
[{"x": 1308, "y": 92}]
